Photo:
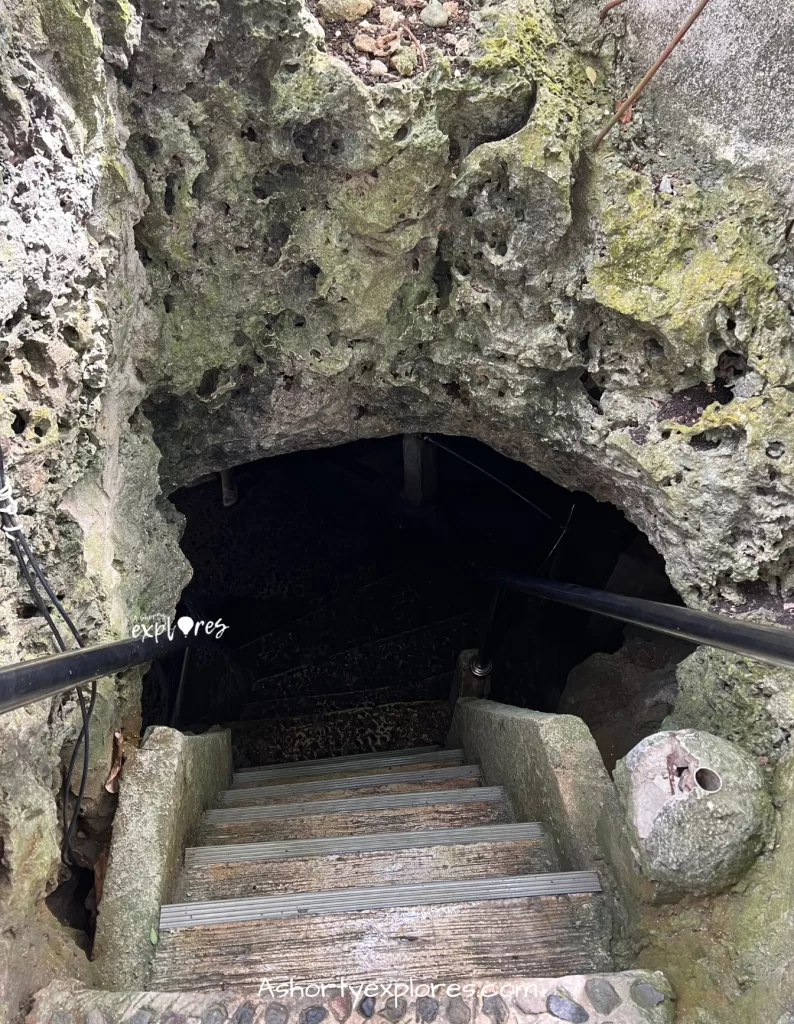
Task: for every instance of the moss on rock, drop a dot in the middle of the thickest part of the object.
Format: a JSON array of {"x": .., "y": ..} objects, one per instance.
[
  {"x": 738, "y": 698},
  {"x": 675, "y": 261}
]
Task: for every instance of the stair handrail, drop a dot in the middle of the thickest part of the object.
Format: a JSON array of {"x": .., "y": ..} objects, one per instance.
[
  {"x": 28, "y": 681},
  {"x": 768, "y": 643}
]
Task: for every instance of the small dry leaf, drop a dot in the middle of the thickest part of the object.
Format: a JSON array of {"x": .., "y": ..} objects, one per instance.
[
  {"x": 592, "y": 75},
  {"x": 364, "y": 43},
  {"x": 100, "y": 869},
  {"x": 112, "y": 781}
]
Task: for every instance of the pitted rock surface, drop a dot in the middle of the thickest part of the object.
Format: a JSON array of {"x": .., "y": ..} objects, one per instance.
[
  {"x": 697, "y": 808},
  {"x": 320, "y": 260}
]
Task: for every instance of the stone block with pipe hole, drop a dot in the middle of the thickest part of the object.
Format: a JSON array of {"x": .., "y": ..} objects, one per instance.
[{"x": 697, "y": 812}]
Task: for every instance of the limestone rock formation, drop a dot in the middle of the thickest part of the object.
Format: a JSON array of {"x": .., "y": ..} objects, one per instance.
[
  {"x": 625, "y": 696},
  {"x": 698, "y": 811},
  {"x": 220, "y": 242}
]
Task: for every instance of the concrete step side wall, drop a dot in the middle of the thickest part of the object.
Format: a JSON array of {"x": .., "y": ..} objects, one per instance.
[
  {"x": 549, "y": 766},
  {"x": 163, "y": 795}
]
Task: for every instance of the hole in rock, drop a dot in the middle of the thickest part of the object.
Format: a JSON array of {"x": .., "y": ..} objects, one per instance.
[
  {"x": 593, "y": 389},
  {"x": 730, "y": 366},
  {"x": 708, "y": 780},
  {"x": 775, "y": 450},
  {"x": 343, "y": 577},
  {"x": 707, "y": 441},
  {"x": 442, "y": 274},
  {"x": 209, "y": 56},
  {"x": 73, "y": 904},
  {"x": 209, "y": 382},
  {"x": 169, "y": 196}
]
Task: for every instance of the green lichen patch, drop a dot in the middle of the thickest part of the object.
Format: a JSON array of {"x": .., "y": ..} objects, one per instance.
[
  {"x": 763, "y": 927},
  {"x": 77, "y": 46},
  {"x": 515, "y": 35},
  {"x": 120, "y": 23},
  {"x": 393, "y": 199},
  {"x": 674, "y": 261},
  {"x": 735, "y": 697}
]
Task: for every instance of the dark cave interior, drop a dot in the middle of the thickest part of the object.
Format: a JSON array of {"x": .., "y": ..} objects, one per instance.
[{"x": 345, "y": 595}]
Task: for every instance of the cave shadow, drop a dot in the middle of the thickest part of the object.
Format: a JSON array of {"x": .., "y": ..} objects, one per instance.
[{"x": 339, "y": 592}]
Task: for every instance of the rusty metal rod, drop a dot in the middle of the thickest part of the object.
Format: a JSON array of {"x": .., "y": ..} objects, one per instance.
[
  {"x": 612, "y": 4},
  {"x": 627, "y": 104}
]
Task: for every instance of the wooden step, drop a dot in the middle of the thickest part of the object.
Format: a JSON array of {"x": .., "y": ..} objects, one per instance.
[
  {"x": 454, "y": 777},
  {"x": 415, "y": 759},
  {"x": 530, "y": 935},
  {"x": 362, "y": 861},
  {"x": 400, "y": 812}
]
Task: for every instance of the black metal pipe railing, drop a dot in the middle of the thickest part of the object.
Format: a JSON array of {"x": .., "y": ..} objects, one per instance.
[
  {"x": 29, "y": 681},
  {"x": 774, "y": 644},
  {"x": 34, "y": 680}
]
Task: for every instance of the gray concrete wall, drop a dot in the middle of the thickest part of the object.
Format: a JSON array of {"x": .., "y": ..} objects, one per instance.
[
  {"x": 728, "y": 89},
  {"x": 173, "y": 779},
  {"x": 550, "y": 767}
]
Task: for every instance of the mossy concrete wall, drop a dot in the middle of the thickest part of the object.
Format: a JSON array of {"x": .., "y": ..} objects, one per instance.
[
  {"x": 552, "y": 772},
  {"x": 550, "y": 767},
  {"x": 174, "y": 778},
  {"x": 729, "y": 957}
]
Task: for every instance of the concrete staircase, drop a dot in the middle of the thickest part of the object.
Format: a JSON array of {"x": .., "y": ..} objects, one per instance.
[
  {"x": 388, "y": 886},
  {"x": 398, "y": 865}
]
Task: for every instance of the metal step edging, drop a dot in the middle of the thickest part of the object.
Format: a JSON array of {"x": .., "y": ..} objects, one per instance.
[
  {"x": 355, "y": 805},
  {"x": 231, "y": 797},
  {"x": 233, "y": 853},
  {"x": 339, "y": 901}
]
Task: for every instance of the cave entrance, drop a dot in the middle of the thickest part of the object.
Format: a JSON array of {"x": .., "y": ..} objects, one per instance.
[{"x": 341, "y": 574}]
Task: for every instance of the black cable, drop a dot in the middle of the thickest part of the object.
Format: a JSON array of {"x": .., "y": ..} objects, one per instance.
[
  {"x": 563, "y": 531},
  {"x": 50, "y": 592},
  {"x": 21, "y": 549}
]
